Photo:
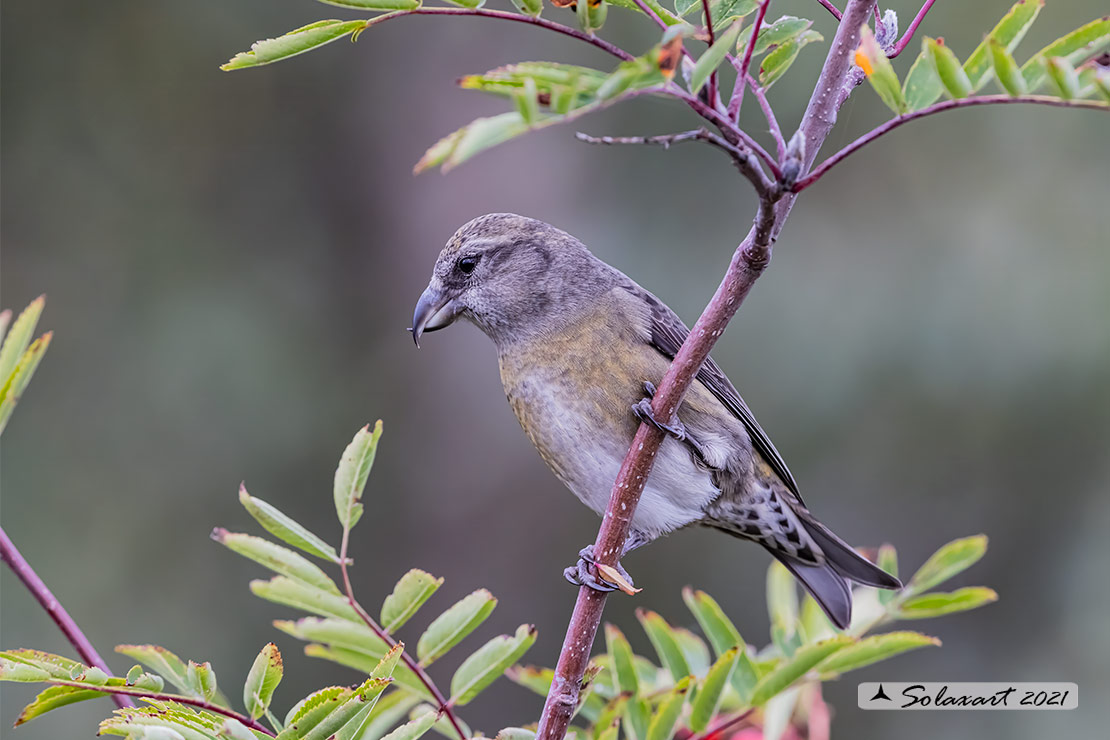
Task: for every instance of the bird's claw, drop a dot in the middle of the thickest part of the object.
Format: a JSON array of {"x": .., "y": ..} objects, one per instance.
[
  {"x": 586, "y": 572},
  {"x": 643, "y": 411}
]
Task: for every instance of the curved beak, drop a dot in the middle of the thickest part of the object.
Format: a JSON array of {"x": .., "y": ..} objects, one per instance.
[{"x": 434, "y": 310}]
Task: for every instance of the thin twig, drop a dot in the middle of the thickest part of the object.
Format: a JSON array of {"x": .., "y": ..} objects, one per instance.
[
  {"x": 908, "y": 35},
  {"x": 735, "y": 135},
  {"x": 711, "y": 90},
  {"x": 126, "y": 692},
  {"x": 894, "y": 123},
  {"x": 764, "y": 105},
  {"x": 519, "y": 18},
  {"x": 737, "y": 98},
  {"x": 19, "y": 565},
  {"x": 829, "y": 7},
  {"x": 723, "y": 725},
  {"x": 747, "y": 264},
  {"x": 443, "y": 706},
  {"x": 650, "y": 13}
]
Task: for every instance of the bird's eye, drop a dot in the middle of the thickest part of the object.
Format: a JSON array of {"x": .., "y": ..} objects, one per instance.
[{"x": 467, "y": 264}]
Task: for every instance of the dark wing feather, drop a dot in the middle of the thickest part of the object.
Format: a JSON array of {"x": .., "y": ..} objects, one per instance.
[{"x": 667, "y": 335}]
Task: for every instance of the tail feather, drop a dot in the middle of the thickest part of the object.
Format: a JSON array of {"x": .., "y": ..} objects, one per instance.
[
  {"x": 845, "y": 560},
  {"x": 828, "y": 588}
]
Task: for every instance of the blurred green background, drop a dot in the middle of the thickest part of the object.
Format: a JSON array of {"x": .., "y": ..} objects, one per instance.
[{"x": 232, "y": 259}]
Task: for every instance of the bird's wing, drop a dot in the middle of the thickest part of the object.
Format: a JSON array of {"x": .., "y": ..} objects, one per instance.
[{"x": 667, "y": 333}]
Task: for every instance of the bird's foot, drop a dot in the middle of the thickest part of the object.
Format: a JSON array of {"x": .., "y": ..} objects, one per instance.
[
  {"x": 589, "y": 572},
  {"x": 642, "y": 410}
]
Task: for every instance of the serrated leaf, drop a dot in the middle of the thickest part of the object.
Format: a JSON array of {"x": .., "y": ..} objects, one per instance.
[
  {"x": 1008, "y": 33},
  {"x": 355, "y": 728},
  {"x": 1008, "y": 75},
  {"x": 187, "y": 723},
  {"x": 488, "y": 662},
  {"x": 202, "y": 680},
  {"x": 939, "y": 604},
  {"x": 349, "y": 711},
  {"x": 665, "y": 719},
  {"x": 872, "y": 650},
  {"x": 16, "y": 384},
  {"x": 285, "y": 528},
  {"x": 1080, "y": 44},
  {"x": 354, "y": 469},
  {"x": 665, "y": 642},
  {"x": 773, "y": 35},
  {"x": 335, "y": 631},
  {"x": 694, "y": 650},
  {"x": 365, "y": 663},
  {"x": 948, "y": 69},
  {"x": 233, "y": 729},
  {"x": 720, "y": 630},
  {"x": 410, "y": 593},
  {"x": 299, "y": 595},
  {"x": 535, "y": 679},
  {"x": 389, "y": 710},
  {"x": 873, "y": 61},
  {"x": 724, "y": 12},
  {"x": 264, "y": 676},
  {"x": 778, "y": 61},
  {"x": 281, "y": 560},
  {"x": 54, "y": 698},
  {"x": 637, "y": 718},
  {"x": 450, "y": 627},
  {"x": 1063, "y": 77},
  {"x": 711, "y": 689},
  {"x": 305, "y": 714},
  {"x": 922, "y": 86},
  {"x": 11, "y": 670},
  {"x": 474, "y": 138},
  {"x": 415, "y": 728},
  {"x": 18, "y": 340},
  {"x": 709, "y": 61},
  {"x": 297, "y": 41},
  {"x": 623, "y": 670},
  {"x": 791, "y": 669},
  {"x": 949, "y": 560},
  {"x": 163, "y": 662}
]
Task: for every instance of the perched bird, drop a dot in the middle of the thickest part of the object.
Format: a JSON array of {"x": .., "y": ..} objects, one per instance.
[{"x": 579, "y": 344}]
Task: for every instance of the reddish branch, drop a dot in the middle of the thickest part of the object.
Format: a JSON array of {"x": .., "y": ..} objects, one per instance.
[
  {"x": 829, "y": 7},
  {"x": 737, "y": 98},
  {"x": 19, "y": 565},
  {"x": 748, "y": 263},
  {"x": 908, "y": 35}
]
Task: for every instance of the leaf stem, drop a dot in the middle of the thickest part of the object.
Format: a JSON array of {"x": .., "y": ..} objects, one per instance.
[
  {"x": 737, "y": 98},
  {"x": 444, "y": 707},
  {"x": 908, "y": 35},
  {"x": 129, "y": 691},
  {"x": 19, "y": 565},
  {"x": 894, "y": 123}
]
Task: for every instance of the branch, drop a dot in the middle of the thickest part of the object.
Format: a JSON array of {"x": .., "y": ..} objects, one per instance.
[
  {"x": 908, "y": 35},
  {"x": 442, "y": 705},
  {"x": 737, "y": 98},
  {"x": 711, "y": 93},
  {"x": 744, "y": 161},
  {"x": 894, "y": 123},
  {"x": 726, "y": 724},
  {"x": 19, "y": 565},
  {"x": 764, "y": 105},
  {"x": 125, "y": 692},
  {"x": 747, "y": 264},
  {"x": 829, "y": 7},
  {"x": 732, "y": 133},
  {"x": 519, "y": 18}
]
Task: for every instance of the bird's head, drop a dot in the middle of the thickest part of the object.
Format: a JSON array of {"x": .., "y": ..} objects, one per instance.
[{"x": 514, "y": 277}]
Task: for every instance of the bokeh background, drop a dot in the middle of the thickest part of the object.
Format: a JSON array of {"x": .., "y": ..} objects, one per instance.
[{"x": 232, "y": 260}]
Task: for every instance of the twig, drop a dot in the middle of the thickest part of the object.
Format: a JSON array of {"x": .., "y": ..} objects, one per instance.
[
  {"x": 519, "y": 18},
  {"x": 743, "y": 160},
  {"x": 732, "y": 133},
  {"x": 748, "y": 262},
  {"x": 125, "y": 692},
  {"x": 764, "y": 105},
  {"x": 894, "y": 123},
  {"x": 650, "y": 13},
  {"x": 19, "y": 565},
  {"x": 829, "y": 7},
  {"x": 711, "y": 93},
  {"x": 737, "y": 98},
  {"x": 908, "y": 35},
  {"x": 442, "y": 704},
  {"x": 723, "y": 725}
]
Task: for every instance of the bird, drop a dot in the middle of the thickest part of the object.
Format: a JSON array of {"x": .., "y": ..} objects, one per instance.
[{"x": 579, "y": 346}]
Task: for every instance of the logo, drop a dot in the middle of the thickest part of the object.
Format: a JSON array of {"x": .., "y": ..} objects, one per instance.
[{"x": 939, "y": 695}]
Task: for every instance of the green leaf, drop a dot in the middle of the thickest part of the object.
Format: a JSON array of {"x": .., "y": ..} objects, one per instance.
[
  {"x": 711, "y": 689},
  {"x": 52, "y": 698},
  {"x": 782, "y": 599},
  {"x": 1008, "y": 33},
  {"x": 449, "y": 628},
  {"x": 202, "y": 680},
  {"x": 381, "y": 4},
  {"x": 297, "y": 41},
  {"x": 709, "y": 61},
  {"x": 354, "y": 469},
  {"x": 410, "y": 593},
  {"x": 874, "y": 63},
  {"x": 665, "y": 642},
  {"x": 365, "y": 663},
  {"x": 667, "y": 16},
  {"x": 772, "y": 35},
  {"x": 591, "y": 15},
  {"x": 694, "y": 650},
  {"x": 1063, "y": 76},
  {"x": 683, "y": 8},
  {"x": 778, "y": 712},
  {"x": 922, "y": 85},
  {"x": 610, "y": 715},
  {"x": 284, "y": 590},
  {"x": 16, "y": 342},
  {"x": 938, "y": 604},
  {"x": 488, "y": 662},
  {"x": 350, "y": 712},
  {"x": 948, "y": 68},
  {"x": 13, "y": 389},
  {"x": 164, "y": 720},
  {"x": 474, "y": 138},
  {"x": 264, "y": 676},
  {"x": 955, "y": 557},
  {"x": 163, "y": 662},
  {"x": 390, "y": 709},
  {"x": 720, "y": 630},
  {"x": 279, "y": 559},
  {"x": 531, "y": 8},
  {"x": 724, "y": 12},
  {"x": 1080, "y": 44},
  {"x": 778, "y": 61},
  {"x": 665, "y": 720},
  {"x": 307, "y": 713},
  {"x": 888, "y": 561},
  {"x": 624, "y": 669},
  {"x": 5, "y": 321},
  {"x": 795, "y": 667},
  {"x": 339, "y": 632},
  {"x": 415, "y": 728},
  {"x": 637, "y": 718},
  {"x": 284, "y": 528},
  {"x": 872, "y": 650}
]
